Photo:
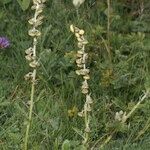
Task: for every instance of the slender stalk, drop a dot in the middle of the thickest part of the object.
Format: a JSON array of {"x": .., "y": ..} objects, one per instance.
[
  {"x": 108, "y": 31},
  {"x": 107, "y": 139},
  {"x": 141, "y": 132},
  {"x": 81, "y": 62},
  {"x": 136, "y": 106},
  {"x": 108, "y": 21},
  {"x": 86, "y": 114},
  {"x": 31, "y": 96},
  {"x": 30, "y": 113},
  {"x": 33, "y": 61},
  {"x": 86, "y": 136},
  {"x": 77, "y": 12}
]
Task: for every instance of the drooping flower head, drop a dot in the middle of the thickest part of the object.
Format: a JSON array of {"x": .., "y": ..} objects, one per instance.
[{"x": 4, "y": 42}]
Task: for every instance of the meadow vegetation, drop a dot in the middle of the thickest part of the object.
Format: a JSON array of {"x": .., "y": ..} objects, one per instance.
[{"x": 119, "y": 61}]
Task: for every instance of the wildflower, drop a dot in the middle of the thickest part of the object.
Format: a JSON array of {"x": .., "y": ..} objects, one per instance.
[
  {"x": 4, "y": 42},
  {"x": 81, "y": 61},
  {"x": 120, "y": 116},
  {"x": 87, "y": 129},
  {"x": 34, "y": 64},
  {"x": 29, "y": 76},
  {"x": 81, "y": 114},
  {"x": 107, "y": 78},
  {"x": 34, "y": 32},
  {"x": 31, "y": 56},
  {"x": 89, "y": 99},
  {"x": 73, "y": 112},
  {"x": 82, "y": 72}
]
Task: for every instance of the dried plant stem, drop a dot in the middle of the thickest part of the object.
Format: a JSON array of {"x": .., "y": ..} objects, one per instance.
[{"x": 126, "y": 117}]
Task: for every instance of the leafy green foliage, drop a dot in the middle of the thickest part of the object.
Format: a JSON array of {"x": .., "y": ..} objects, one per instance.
[
  {"x": 24, "y": 4},
  {"x": 66, "y": 145}
]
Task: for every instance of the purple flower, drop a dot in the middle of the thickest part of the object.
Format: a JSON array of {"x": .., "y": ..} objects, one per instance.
[{"x": 4, "y": 42}]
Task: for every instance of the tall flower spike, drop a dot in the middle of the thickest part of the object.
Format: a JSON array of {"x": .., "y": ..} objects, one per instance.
[
  {"x": 82, "y": 70},
  {"x": 31, "y": 56}
]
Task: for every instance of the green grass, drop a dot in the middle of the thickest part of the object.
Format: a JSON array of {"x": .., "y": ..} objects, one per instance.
[{"x": 58, "y": 88}]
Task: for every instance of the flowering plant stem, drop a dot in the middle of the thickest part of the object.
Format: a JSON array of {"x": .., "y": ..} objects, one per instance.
[
  {"x": 86, "y": 136},
  {"x": 31, "y": 98},
  {"x": 81, "y": 62},
  {"x": 32, "y": 58},
  {"x": 30, "y": 113}
]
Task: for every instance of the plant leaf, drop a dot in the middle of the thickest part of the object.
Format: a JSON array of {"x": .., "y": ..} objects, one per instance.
[
  {"x": 24, "y": 4},
  {"x": 66, "y": 145},
  {"x": 5, "y": 1}
]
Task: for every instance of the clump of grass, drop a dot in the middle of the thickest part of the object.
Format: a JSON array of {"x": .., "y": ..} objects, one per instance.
[
  {"x": 81, "y": 62},
  {"x": 31, "y": 56},
  {"x": 122, "y": 117},
  {"x": 77, "y": 4}
]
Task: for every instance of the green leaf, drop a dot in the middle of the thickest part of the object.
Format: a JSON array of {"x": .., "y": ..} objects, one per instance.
[
  {"x": 4, "y": 104},
  {"x": 66, "y": 145},
  {"x": 24, "y": 4},
  {"x": 79, "y": 132},
  {"x": 5, "y": 1}
]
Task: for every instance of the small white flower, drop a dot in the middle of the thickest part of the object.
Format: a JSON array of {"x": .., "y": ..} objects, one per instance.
[{"x": 77, "y": 3}]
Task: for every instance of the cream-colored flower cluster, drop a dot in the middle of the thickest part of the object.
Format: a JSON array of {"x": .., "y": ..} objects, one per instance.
[
  {"x": 82, "y": 57},
  {"x": 120, "y": 116},
  {"x": 81, "y": 62},
  {"x": 35, "y": 21}
]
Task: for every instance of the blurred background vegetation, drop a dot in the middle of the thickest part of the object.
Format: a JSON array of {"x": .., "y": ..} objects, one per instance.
[{"x": 115, "y": 85}]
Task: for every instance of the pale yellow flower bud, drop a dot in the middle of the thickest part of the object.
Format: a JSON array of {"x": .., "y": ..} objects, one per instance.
[
  {"x": 81, "y": 32},
  {"x": 29, "y": 50},
  {"x": 89, "y": 99},
  {"x": 34, "y": 32},
  {"x": 72, "y": 28},
  {"x": 77, "y": 35},
  {"x": 86, "y": 77},
  {"x": 34, "y": 64},
  {"x": 85, "y": 91},
  {"x": 81, "y": 114},
  {"x": 28, "y": 76}
]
